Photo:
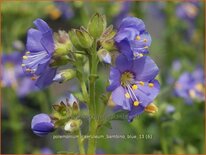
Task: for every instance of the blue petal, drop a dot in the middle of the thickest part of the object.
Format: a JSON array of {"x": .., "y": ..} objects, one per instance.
[
  {"x": 123, "y": 64},
  {"x": 41, "y": 25},
  {"x": 147, "y": 94},
  {"x": 127, "y": 33},
  {"x": 124, "y": 48},
  {"x": 114, "y": 79},
  {"x": 135, "y": 111},
  {"x": 145, "y": 69},
  {"x": 33, "y": 41},
  {"x": 48, "y": 42},
  {"x": 132, "y": 22},
  {"x": 46, "y": 78},
  {"x": 118, "y": 97},
  {"x": 43, "y": 127}
]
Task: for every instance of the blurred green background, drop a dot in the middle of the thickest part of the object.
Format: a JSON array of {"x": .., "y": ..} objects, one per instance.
[{"x": 173, "y": 38}]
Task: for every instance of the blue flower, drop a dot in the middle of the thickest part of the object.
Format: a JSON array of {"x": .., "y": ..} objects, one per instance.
[
  {"x": 187, "y": 11},
  {"x": 11, "y": 69},
  {"x": 133, "y": 84},
  {"x": 132, "y": 39},
  {"x": 40, "y": 47},
  {"x": 14, "y": 77},
  {"x": 190, "y": 86},
  {"x": 42, "y": 124}
]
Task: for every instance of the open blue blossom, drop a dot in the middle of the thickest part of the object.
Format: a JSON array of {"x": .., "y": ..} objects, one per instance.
[
  {"x": 187, "y": 10},
  {"x": 40, "y": 47},
  {"x": 11, "y": 69},
  {"x": 190, "y": 86},
  {"x": 13, "y": 76},
  {"x": 42, "y": 124},
  {"x": 133, "y": 84},
  {"x": 132, "y": 39}
]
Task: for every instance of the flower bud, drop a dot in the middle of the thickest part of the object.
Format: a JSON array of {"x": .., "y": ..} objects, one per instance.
[
  {"x": 42, "y": 124},
  {"x": 73, "y": 125},
  {"x": 104, "y": 55},
  {"x": 62, "y": 44},
  {"x": 84, "y": 38},
  {"x": 74, "y": 39},
  {"x": 108, "y": 45},
  {"x": 65, "y": 75},
  {"x": 57, "y": 61},
  {"x": 96, "y": 25}
]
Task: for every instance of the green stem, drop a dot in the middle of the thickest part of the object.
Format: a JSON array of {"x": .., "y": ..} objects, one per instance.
[
  {"x": 93, "y": 61},
  {"x": 83, "y": 88},
  {"x": 80, "y": 142}
]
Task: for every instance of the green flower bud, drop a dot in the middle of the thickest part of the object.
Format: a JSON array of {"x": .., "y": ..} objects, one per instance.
[
  {"x": 57, "y": 61},
  {"x": 97, "y": 25},
  {"x": 108, "y": 34},
  {"x": 74, "y": 39},
  {"x": 84, "y": 38},
  {"x": 109, "y": 45},
  {"x": 72, "y": 125},
  {"x": 63, "y": 44},
  {"x": 65, "y": 75}
]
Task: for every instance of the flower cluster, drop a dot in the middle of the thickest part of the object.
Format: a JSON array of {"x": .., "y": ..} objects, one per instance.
[
  {"x": 190, "y": 86},
  {"x": 132, "y": 79}
]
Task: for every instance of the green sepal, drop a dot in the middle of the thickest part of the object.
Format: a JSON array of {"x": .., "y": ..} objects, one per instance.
[
  {"x": 97, "y": 25},
  {"x": 74, "y": 39},
  {"x": 85, "y": 39}
]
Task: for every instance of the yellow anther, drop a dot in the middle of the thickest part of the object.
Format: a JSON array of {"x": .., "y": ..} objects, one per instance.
[
  {"x": 151, "y": 108},
  {"x": 141, "y": 83},
  {"x": 27, "y": 52},
  {"x": 138, "y": 37},
  {"x": 136, "y": 103},
  {"x": 33, "y": 78},
  {"x": 23, "y": 65},
  {"x": 145, "y": 40},
  {"x": 28, "y": 70},
  {"x": 141, "y": 55},
  {"x": 146, "y": 47},
  {"x": 25, "y": 57},
  {"x": 192, "y": 93},
  {"x": 134, "y": 87},
  {"x": 199, "y": 87},
  {"x": 127, "y": 95},
  {"x": 151, "y": 85}
]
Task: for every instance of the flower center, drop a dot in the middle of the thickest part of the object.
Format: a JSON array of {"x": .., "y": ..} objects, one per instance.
[{"x": 127, "y": 78}]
